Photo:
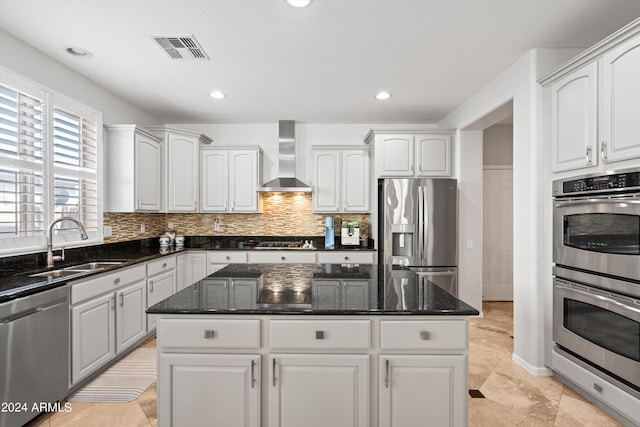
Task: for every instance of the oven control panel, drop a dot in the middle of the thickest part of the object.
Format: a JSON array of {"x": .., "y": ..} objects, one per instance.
[{"x": 615, "y": 182}]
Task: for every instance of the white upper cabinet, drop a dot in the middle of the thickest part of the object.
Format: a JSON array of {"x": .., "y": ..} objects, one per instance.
[
  {"x": 620, "y": 133},
  {"x": 395, "y": 155},
  {"x": 340, "y": 180},
  {"x": 407, "y": 153},
  {"x": 230, "y": 179},
  {"x": 433, "y": 155},
  {"x": 591, "y": 105},
  {"x": 133, "y": 169},
  {"x": 574, "y": 119},
  {"x": 181, "y": 178}
]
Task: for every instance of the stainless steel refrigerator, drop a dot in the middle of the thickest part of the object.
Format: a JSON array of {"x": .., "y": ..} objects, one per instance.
[{"x": 418, "y": 227}]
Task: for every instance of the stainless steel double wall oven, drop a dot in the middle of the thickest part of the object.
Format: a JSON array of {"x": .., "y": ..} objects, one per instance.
[{"x": 596, "y": 285}]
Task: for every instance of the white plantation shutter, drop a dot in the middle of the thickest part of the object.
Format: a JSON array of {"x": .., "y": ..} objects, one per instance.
[
  {"x": 22, "y": 124},
  {"x": 75, "y": 168},
  {"x": 50, "y": 166}
]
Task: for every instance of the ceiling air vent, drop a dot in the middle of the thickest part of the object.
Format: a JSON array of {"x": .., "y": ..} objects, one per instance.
[{"x": 181, "y": 47}]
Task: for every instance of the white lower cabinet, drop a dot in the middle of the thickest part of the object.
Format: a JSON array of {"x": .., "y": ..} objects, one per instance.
[
  {"x": 318, "y": 390},
  {"x": 159, "y": 287},
  {"x": 230, "y": 293},
  {"x": 429, "y": 383},
  {"x": 196, "y": 267},
  {"x": 107, "y": 317},
  {"x": 210, "y": 390},
  {"x": 312, "y": 372}
]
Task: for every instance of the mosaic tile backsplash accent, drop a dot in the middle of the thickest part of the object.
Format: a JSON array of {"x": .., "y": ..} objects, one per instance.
[{"x": 283, "y": 214}]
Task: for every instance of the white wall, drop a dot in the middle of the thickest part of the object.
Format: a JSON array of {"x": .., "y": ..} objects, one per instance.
[
  {"x": 498, "y": 145},
  {"x": 518, "y": 85},
  {"x": 28, "y": 62}
]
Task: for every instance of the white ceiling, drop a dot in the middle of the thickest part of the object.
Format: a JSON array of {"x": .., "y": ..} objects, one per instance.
[{"x": 321, "y": 64}]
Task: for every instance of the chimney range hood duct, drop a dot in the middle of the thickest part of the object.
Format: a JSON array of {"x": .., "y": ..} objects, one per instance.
[{"x": 286, "y": 162}]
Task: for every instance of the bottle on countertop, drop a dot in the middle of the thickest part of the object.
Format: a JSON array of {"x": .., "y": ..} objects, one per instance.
[{"x": 328, "y": 233}]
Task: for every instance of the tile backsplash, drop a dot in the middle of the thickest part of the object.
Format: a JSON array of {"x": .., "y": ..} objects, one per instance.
[{"x": 283, "y": 214}]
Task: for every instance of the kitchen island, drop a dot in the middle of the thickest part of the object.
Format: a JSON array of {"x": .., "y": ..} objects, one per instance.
[{"x": 313, "y": 345}]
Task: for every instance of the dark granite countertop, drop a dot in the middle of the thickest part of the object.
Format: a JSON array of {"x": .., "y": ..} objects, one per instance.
[
  {"x": 16, "y": 271},
  {"x": 312, "y": 289}
]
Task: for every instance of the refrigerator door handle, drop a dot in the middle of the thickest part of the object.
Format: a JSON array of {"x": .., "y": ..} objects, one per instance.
[
  {"x": 425, "y": 228},
  {"x": 420, "y": 239}
]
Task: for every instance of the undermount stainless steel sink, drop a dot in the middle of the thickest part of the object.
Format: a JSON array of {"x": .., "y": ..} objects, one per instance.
[{"x": 78, "y": 270}]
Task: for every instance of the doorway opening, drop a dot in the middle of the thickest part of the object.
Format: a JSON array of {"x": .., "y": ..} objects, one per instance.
[{"x": 497, "y": 212}]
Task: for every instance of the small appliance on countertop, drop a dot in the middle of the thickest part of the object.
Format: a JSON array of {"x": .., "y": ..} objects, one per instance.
[{"x": 350, "y": 234}]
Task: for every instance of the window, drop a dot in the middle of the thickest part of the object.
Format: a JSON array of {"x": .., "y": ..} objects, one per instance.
[{"x": 49, "y": 167}]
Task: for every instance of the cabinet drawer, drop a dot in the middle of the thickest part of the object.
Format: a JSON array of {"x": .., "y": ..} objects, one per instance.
[
  {"x": 227, "y": 257},
  {"x": 209, "y": 333},
  {"x": 423, "y": 335},
  {"x": 84, "y": 289},
  {"x": 320, "y": 334},
  {"x": 160, "y": 266},
  {"x": 277, "y": 256},
  {"x": 345, "y": 257}
]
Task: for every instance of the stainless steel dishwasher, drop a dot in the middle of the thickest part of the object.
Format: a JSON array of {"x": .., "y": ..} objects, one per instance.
[{"x": 34, "y": 367}]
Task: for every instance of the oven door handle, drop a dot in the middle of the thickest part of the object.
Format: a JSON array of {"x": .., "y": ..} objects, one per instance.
[
  {"x": 608, "y": 201},
  {"x": 593, "y": 293}
]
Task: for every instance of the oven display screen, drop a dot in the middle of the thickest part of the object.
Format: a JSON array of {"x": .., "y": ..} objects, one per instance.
[
  {"x": 602, "y": 232},
  {"x": 604, "y": 328},
  {"x": 618, "y": 182}
]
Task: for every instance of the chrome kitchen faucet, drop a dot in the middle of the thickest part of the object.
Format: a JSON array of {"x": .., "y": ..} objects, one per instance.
[{"x": 50, "y": 258}]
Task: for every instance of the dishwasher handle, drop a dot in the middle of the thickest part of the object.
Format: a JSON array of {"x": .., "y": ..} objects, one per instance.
[{"x": 33, "y": 310}]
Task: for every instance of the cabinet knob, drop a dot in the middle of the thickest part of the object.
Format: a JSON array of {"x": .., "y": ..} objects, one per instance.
[
  {"x": 603, "y": 151},
  {"x": 588, "y": 155},
  {"x": 209, "y": 334},
  {"x": 282, "y": 258},
  {"x": 597, "y": 387},
  {"x": 116, "y": 281},
  {"x": 346, "y": 258},
  {"x": 164, "y": 265},
  {"x": 151, "y": 286},
  {"x": 319, "y": 335},
  {"x": 228, "y": 258},
  {"x": 425, "y": 335}
]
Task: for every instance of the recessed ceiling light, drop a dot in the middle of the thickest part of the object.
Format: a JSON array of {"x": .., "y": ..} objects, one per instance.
[
  {"x": 383, "y": 95},
  {"x": 216, "y": 94},
  {"x": 78, "y": 52},
  {"x": 299, "y": 3}
]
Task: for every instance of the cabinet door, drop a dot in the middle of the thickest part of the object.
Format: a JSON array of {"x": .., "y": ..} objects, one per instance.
[
  {"x": 574, "y": 120},
  {"x": 355, "y": 181},
  {"x": 325, "y": 294},
  {"x": 181, "y": 272},
  {"x": 428, "y": 388},
  {"x": 182, "y": 173},
  {"x": 209, "y": 390},
  {"x": 244, "y": 294},
  {"x": 215, "y": 181},
  {"x": 355, "y": 294},
  {"x": 394, "y": 155},
  {"x": 215, "y": 293},
  {"x": 326, "y": 181},
  {"x": 93, "y": 335},
  {"x": 620, "y": 137},
  {"x": 243, "y": 184},
  {"x": 131, "y": 321},
  {"x": 319, "y": 390},
  {"x": 147, "y": 174},
  {"x": 197, "y": 267},
  {"x": 158, "y": 288},
  {"x": 433, "y": 154}
]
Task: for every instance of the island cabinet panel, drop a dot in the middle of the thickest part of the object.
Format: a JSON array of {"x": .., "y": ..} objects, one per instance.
[
  {"x": 318, "y": 390},
  {"x": 425, "y": 382},
  {"x": 427, "y": 335},
  {"x": 210, "y": 333},
  {"x": 326, "y": 334},
  {"x": 210, "y": 390}
]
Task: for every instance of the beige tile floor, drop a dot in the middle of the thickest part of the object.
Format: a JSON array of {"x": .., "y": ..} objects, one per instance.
[{"x": 511, "y": 396}]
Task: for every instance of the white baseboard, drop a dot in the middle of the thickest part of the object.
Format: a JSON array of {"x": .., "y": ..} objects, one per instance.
[{"x": 536, "y": 371}]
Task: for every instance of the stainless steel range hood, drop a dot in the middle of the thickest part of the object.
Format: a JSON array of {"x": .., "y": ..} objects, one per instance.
[{"x": 286, "y": 180}]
